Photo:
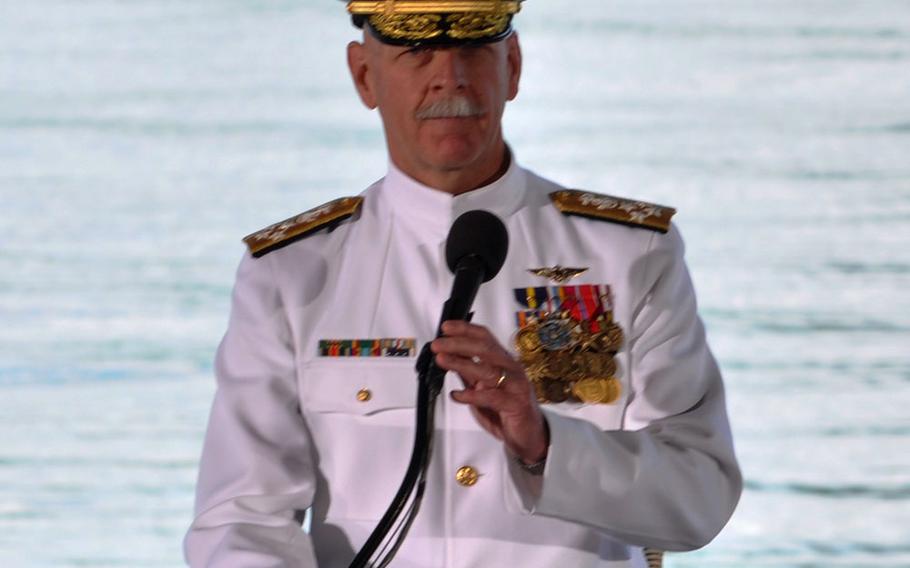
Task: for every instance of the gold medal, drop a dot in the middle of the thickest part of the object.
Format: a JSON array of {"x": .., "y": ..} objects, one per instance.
[
  {"x": 614, "y": 390},
  {"x": 555, "y": 391},
  {"x": 610, "y": 367},
  {"x": 528, "y": 340},
  {"x": 599, "y": 365},
  {"x": 535, "y": 369},
  {"x": 597, "y": 391},
  {"x": 590, "y": 391},
  {"x": 592, "y": 364},
  {"x": 609, "y": 340},
  {"x": 578, "y": 370},
  {"x": 559, "y": 365}
]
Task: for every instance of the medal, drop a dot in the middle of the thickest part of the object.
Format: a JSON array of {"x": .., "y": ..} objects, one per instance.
[
  {"x": 590, "y": 391},
  {"x": 577, "y": 370},
  {"x": 615, "y": 390},
  {"x": 528, "y": 340},
  {"x": 535, "y": 369},
  {"x": 599, "y": 364},
  {"x": 556, "y": 334},
  {"x": 555, "y": 391},
  {"x": 609, "y": 340},
  {"x": 596, "y": 391},
  {"x": 559, "y": 365}
]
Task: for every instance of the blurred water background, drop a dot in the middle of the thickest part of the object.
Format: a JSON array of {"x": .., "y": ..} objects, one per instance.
[{"x": 140, "y": 140}]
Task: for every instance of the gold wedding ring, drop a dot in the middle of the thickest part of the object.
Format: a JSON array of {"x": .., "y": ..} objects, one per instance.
[{"x": 502, "y": 379}]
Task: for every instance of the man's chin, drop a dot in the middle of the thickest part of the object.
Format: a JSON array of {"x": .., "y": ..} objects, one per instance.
[
  {"x": 454, "y": 151},
  {"x": 453, "y": 160}
]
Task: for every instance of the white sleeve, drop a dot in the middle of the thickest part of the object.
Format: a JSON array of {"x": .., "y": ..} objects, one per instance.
[
  {"x": 669, "y": 480},
  {"x": 256, "y": 474}
]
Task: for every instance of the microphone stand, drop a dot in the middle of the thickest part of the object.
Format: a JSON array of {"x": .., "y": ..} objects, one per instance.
[{"x": 430, "y": 377}]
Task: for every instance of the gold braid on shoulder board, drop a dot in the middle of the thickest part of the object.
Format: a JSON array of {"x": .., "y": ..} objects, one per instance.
[
  {"x": 613, "y": 209},
  {"x": 299, "y": 226}
]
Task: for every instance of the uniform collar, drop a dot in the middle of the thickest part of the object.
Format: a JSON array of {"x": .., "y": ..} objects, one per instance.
[{"x": 431, "y": 212}]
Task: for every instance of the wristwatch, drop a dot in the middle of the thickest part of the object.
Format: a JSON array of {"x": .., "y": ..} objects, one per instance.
[{"x": 534, "y": 468}]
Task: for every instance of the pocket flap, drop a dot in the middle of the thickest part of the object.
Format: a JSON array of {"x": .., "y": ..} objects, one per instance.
[{"x": 358, "y": 385}]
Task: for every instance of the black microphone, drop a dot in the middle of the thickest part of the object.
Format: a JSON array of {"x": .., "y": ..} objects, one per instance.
[{"x": 475, "y": 252}]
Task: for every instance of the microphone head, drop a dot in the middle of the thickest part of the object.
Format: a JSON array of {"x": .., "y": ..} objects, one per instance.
[{"x": 482, "y": 235}]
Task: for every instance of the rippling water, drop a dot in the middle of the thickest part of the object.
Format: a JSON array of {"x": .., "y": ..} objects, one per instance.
[{"x": 140, "y": 140}]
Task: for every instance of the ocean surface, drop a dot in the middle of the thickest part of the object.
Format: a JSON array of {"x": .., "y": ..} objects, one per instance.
[{"x": 140, "y": 140}]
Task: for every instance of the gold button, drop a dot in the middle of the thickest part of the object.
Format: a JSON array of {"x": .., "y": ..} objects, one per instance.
[
  {"x": 364, "y": 395},
  {"x": 467, "y": 476}
]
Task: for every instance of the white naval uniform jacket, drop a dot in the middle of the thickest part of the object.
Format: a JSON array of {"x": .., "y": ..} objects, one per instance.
[{"x": 287, "y": 431}]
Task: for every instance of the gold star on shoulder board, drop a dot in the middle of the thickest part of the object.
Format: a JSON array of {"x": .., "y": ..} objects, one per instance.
[{"x": 558, "y": 273}]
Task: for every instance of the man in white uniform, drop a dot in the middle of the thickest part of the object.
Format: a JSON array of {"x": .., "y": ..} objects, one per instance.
[{"x": 583, "y": 419}]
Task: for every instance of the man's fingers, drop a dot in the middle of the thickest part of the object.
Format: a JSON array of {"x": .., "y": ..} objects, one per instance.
[
  {"x": 473, "y": 342},
  {"x": 478, "y": 353},
  {"x": 472, "y": 352},
  {"x": 473, "y": 374},
  {"x": 465, "y": 346},
  {"x": 489, "y": 399},
  {"x": 463, "y": 328}
]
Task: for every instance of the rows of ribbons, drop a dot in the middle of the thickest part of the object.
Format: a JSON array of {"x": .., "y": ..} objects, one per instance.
[
  {"x": 588, "y": 302},
  {"x": 388, "y": 347}
]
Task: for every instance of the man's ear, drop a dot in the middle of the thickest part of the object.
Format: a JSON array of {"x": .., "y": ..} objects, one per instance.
[
  {"x": 360, "y": 73},
  {"x": 514, "y": 61}
]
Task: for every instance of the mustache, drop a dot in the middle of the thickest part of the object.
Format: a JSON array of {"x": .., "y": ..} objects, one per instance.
[{"x": 453, "y": 107}]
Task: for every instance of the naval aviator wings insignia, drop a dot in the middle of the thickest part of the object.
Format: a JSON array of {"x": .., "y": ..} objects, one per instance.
[
  {"x": 613, "y": 209},
  {"x": 558, "y": 274},
  {"x": 299, "y": 226}
]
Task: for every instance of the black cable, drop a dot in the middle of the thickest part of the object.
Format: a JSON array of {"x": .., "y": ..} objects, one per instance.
[
  {"x": 429, "y": 385},
  {"x": 411, "y": 514}
]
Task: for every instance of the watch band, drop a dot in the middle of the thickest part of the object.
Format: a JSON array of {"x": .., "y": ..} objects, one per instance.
[{"x": 534, "y": 468}]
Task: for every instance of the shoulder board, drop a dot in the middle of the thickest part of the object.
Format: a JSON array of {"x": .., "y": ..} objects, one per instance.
[
  {"x": 613, "y": 209},
  {"x": 291, "y": 230}
]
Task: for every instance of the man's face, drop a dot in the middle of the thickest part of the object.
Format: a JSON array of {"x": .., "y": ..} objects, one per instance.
[{"x": 441, "y": 107}]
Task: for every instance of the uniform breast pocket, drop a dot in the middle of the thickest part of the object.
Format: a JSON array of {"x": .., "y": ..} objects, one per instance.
[{"x": 360, "y": 414}]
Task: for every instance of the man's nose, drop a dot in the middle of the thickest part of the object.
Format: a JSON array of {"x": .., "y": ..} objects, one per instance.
[{"x": 449, "y": 70}]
